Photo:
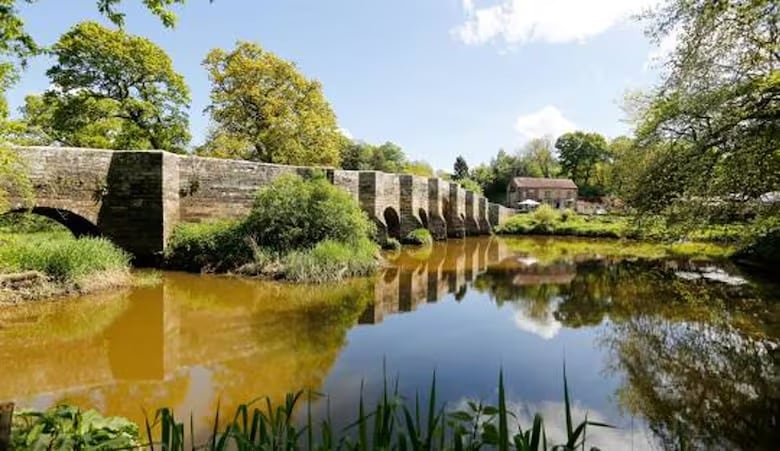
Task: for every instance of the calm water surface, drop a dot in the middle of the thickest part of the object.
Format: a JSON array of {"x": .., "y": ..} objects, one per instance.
[{"x": 664, "y": 348}]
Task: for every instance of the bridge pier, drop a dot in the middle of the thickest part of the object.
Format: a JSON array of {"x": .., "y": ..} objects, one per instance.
[
  {"x": 482, "y": 216},
  {"x": 455, "y": 214},
  {"x": 438, "y": 192},
  {"x": 472, "y": 226}
]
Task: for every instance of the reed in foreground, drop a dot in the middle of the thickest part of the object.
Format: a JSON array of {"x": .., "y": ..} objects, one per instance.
[{"x": 394, "y": 423}]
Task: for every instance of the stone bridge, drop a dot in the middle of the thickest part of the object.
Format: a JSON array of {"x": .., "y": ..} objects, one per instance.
[{"x": 136, "y": 198}]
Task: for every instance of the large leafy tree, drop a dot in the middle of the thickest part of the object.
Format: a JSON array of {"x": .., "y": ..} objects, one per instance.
[
  {"x": 262, "y": 100},
  {"x": 580, "y": 153},
  {"x": 711, "y": 129},
  {"x": 16, "y": 46},
  {"x": 539, "y": 153},
  {"x": 112, "y": 90}
]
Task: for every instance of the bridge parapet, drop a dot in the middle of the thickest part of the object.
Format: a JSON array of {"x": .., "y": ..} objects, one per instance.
[{"x": 136, "y": 198}]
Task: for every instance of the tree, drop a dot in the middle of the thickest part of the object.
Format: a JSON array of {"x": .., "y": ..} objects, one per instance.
[
  {"x": 418, "y": 167},
  {"x": 540, "y": 154},
  {"x": 712, "y": 127},
  {"x": 460, "y": 169},
  {"x": 579, "y": 153},
  {"x": 112, "y": 90},
  {"x": 259, "y": 98},
  {"x": 17, "y": 44}
]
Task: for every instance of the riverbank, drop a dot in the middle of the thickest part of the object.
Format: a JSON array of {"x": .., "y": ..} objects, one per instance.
[
  {"x": 43, "y": 265},
  {"x": 546, "y": 221}
]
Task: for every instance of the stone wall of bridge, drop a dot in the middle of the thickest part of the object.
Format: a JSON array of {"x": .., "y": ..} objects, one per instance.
[{"x": 136, "y": 198}]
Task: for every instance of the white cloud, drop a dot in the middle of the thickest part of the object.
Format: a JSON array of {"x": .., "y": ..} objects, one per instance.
[
  {"x": 636, "y": 437},
  {"x": 546, "y": 121},
  {"x": 553, "y": 21}
]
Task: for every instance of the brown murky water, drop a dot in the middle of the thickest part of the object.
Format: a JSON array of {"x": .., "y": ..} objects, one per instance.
[{"x": 644, "y": 340}]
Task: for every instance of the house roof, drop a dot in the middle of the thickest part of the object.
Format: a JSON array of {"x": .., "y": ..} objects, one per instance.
[{"x": 536, "y": 182}]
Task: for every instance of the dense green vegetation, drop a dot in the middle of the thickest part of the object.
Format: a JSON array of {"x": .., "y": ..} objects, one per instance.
[
  {"x": 392, "y": 423},
  {"x": 301, "y": 230}
]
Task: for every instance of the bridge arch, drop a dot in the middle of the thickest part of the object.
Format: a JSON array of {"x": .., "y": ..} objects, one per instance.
[
  {"x": 393, "y": 223},
  {"x": 78, "y": 225},
  {"x": 423, "y": 217}
]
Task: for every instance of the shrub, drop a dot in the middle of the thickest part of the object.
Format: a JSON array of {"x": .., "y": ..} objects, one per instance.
[
  {"x": 293, "y": 213},
  {"x": 545, "y": 215},
  {"x": 330, "y": 261},
  {"x": 213, "y": 246},
  {"x": 419, "y": 237},
  {"x": 391, "y": 244},
  {"x": 65, "y": 259},
  {"x": 568, "y": 214}
]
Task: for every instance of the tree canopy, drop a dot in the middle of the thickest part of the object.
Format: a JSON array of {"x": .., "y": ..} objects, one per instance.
[
  {"x": 709, "y": 132},
  {"x": 275, "y": 114},
  {"x": 580, "y": 153},
  {"x": 460, "y": 169},
  {"x": 110, "y": 90}
]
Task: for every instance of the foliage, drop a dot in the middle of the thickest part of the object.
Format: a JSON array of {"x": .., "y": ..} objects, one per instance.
[
  {"x": 65, "y": 427},
  {"x": 111, "y": 90},
  {"x": 13, "y": 177},
  {"x": 63, "y": 260},
  {"x": 274, "y": 112},
  {"x": 542, "y": 161},
  {"x": 419, "y": 167},
  {"x": 710, "y": 130},
  {"x": 393, "y": 423},
  {"x": 419, "y": 237},
  {"x": 580, "y": 153},
  {"x": 209, "y": 246},
  {"x": 391, "y": 244},
  {"x": 361, "y": 156},
  {"x": 460, "y": 169},
  {"x": 293, "y": 213},
  {"x": 545, "y": 215},
  {"x": 297, "y": 229},
  {"x": 470, "y": 185},
  {"x": 330, "y": 261}
]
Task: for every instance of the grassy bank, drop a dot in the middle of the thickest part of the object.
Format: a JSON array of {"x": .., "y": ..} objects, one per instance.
[
  {"x": 298, "y": 230},
  {"x": 548, "y": 221},
  {"x": 52, "y": 263},
  {"x": 392, "y": 422}
]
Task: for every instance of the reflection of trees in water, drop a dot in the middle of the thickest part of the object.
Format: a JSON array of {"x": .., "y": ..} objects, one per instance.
[
  {"x": 707, "y": 385},
  {"x": 699, "y": 358}
]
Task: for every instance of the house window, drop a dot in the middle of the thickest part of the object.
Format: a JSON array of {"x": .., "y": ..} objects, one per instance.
[{"x": 547, "y": 195}]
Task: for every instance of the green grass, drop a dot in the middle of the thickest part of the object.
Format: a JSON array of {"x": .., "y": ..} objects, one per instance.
[
  {"x": 330, "y": 261},
  {"x": 547, "y": 221},
  {"x": 392, "y": 422},
  {"x": 63, "y": 259}
]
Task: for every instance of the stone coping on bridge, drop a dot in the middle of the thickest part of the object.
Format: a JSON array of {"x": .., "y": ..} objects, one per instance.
[{"x": 136, "y": 198}]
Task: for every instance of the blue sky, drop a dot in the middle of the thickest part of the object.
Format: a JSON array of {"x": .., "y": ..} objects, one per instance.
[{"x": 441, "y": 78}]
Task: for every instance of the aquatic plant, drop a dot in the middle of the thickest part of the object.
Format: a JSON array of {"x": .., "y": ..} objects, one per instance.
[{"x": 393, "y": 423}]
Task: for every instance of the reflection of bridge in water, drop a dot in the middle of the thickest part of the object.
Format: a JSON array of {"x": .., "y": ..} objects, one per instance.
[
  {"x": 195, "y": 340},
  {"x": 417, "y": 279}
]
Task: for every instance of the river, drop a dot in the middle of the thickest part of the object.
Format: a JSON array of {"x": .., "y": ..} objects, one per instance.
[{"x": 665, "y": 348}]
